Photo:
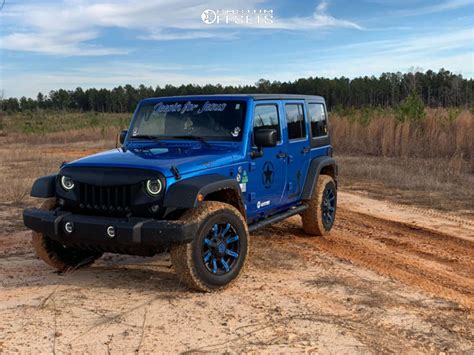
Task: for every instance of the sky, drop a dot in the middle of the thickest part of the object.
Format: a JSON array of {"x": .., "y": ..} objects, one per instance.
[{"x": 48, "y": 45}]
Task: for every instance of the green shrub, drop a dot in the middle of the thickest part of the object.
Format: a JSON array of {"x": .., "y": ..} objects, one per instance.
[{"x": 411, "y": 109}]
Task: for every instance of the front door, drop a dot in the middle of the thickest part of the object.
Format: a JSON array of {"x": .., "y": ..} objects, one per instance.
[
  {"x": 266, "y": 179},
  {"x": 298, "y": 148}
]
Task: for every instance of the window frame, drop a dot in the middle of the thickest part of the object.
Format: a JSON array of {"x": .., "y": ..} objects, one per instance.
[
  {"x": 305, "y": 137},
  {"x": 311, "y": 121},
  {"x": 277, "y": 107},
  {"x": 317, "y": 142}
]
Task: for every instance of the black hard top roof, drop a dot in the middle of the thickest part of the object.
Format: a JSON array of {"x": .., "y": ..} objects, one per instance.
[
  {"x": 253, "y": 96},
  {"x": 284, "y": 97}
]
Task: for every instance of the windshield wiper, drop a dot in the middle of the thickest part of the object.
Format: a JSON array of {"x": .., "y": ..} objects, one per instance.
[
  {"x": 191, "y": 137},
  {"x": 156, "y": 138},
  {"x": 145, "y": 136}
]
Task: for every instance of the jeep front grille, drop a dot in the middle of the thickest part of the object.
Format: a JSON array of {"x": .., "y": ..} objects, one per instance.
[{"x": 105, "y": 198}]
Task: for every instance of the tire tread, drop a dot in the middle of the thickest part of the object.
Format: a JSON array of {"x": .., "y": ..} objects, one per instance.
[
  {"x": 311, "y": 225},
  {"x": 182, "y": 254}
]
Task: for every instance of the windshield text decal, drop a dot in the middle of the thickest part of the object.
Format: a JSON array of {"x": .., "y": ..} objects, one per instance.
[{"x": 189, "y": 107}]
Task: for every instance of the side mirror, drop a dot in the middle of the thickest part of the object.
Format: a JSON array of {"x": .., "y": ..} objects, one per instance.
[
  {"x": 265, "y": 137},
  {"x": 122, "y": 136}
]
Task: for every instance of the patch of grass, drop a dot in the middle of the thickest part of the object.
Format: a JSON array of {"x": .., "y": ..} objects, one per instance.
[
  {"x": 43, "y": 122},
  {"x": 23, "y": 161},
  {"x": 444, "y": 184},
  {"x": 440, "y": 133}
]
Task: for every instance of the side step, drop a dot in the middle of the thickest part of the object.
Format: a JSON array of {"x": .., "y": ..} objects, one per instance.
[{"x": 277, "y": 218}]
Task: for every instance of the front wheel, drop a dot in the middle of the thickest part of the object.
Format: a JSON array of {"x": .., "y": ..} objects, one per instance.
[
  {"x": 319, "y": 217},
  {"x": 57, "y": 255},
  {"x": 217, "y": 255}
]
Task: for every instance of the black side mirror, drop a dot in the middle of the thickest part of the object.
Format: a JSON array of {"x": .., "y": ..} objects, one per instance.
[
  {"x": 122, "y": 136},
  {"x": 265, "y": 137}
]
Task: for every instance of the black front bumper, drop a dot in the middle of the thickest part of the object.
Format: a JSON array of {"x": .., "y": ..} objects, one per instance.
[{"x": 140, "y": 236}]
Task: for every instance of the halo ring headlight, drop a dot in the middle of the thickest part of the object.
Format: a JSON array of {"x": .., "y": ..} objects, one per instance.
[
  {"x": 154, "y": 187},
  {"x": 67, "y": 183}
]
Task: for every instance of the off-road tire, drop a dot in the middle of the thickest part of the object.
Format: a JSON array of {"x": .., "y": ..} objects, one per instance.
[
  {"x": 57, "y": 255},
  {"x": 187, "y": 258},
  {"x": 313, "y": 217}
]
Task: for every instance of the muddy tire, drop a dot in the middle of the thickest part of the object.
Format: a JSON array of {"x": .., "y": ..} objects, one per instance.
[
  {"x": 57, "y": 255},
  {"x": 319, "y": 217},
  {"x": 217, "y": 255}
]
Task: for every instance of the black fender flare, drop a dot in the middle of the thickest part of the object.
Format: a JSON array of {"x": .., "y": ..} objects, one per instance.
[
  {"x": 44, "y": 187},
  {"x": 184, "y": 193},
  {"x": 314, "y": 170}
]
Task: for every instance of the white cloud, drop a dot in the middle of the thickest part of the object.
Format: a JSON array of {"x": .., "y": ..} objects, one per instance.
[
  {"x": 61, "y": 44},
  {"x": 451, "y": 50},
  {"x": 319, "y": 19},
  {"x": 69, "y": 28},
  {"x": 113, "y": 74},
  {"x": 181, "y": 35},
  {"x": 446, "y": 5},
  {"x": 325, "y": 20}
]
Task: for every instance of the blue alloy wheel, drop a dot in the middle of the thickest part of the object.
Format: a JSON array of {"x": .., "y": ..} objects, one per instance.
[
  {"x": 221, "y": 249},
  {"x": 328, "y": 207}
]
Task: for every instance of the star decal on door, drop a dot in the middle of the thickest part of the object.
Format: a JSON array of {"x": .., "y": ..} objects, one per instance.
[{"x": 267, "y": 174}]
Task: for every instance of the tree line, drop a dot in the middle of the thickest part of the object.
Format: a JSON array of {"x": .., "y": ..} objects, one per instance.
[{"x": 435, "y": 89}]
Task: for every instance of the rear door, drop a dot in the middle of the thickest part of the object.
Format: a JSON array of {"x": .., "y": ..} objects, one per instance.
[{"x": 298, "y": 147}]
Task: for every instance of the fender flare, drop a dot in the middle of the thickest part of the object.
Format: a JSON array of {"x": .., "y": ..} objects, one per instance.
[
  {"x": 44, "y": 187},
  {"x": 315, "y": 167},
  {"x": 184, "y": 193}
]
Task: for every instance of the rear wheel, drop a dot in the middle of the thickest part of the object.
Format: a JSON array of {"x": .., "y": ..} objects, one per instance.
[
  {"x": 217, "y": 255},
  {"x": 319, "y": 217},
  {"x": 57, "y": 255}
]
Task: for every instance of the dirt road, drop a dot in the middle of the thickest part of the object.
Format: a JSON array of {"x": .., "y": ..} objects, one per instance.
[{"x": 388, "y": 279}]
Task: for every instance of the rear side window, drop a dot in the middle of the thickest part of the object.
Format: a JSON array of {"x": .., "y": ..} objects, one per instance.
[
  {"x": 266, "y": 117},
  {"x": 319, "y": 123},
  {"x": 295, "y": 121}
]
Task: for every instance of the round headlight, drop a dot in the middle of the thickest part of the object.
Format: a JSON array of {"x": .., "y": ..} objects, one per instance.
[
  {"x": 67, "y": 183},
  {"x": 153, "y": 187}
]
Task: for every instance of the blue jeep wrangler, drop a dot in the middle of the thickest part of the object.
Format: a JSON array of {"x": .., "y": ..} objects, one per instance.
[{"x": 194, "y": 175}]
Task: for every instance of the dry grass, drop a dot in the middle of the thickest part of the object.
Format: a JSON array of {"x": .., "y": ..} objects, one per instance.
[
  {"x": 22, "y": 163},
  {"x": 428, "y": 163},
  {"x": 431, "y": 183},
  {"x": 42, "y": 122},
  {"x": 65, "y": 138},
  {"x": 25, "y": 157},
  {"x": 35, "y": 143},
  {"x": 441, "y": 135}
]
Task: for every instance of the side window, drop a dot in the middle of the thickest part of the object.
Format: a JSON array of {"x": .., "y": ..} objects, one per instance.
[
  {"x": 319, "y": 123},
  {"x": 295, "y": 121},
  {"x": 266, "y": 116}
]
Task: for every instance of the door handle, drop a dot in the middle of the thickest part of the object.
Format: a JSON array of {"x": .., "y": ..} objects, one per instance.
[
  {"x": 282, "y": 155},
  {"x": 306, "y": 150}
]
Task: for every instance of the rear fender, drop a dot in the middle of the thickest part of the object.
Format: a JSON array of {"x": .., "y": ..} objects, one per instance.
[{"x": 320, "y": 165}]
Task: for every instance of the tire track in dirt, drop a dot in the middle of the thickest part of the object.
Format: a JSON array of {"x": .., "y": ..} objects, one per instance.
[
  {"x": 437, "y": 214},
  {"x": 454, "y": 225},
  {"x": 437, "y": 263}
]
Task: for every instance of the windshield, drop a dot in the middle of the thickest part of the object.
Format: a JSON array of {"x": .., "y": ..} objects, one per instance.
[{"x": 205, "y": 119}]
